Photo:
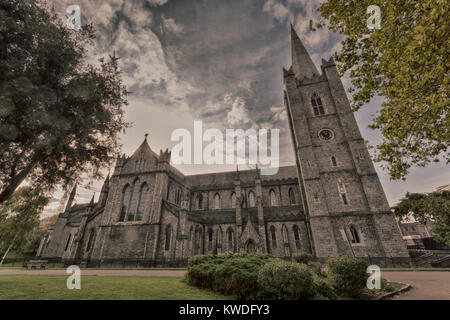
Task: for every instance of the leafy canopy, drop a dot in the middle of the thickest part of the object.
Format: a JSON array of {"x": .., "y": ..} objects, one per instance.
[
  {"x": 19, "y": 218},
  {"x": 59, "y": 115},
  {"x": 424, "y": 208},
  {"x": 407, "y": 63}
]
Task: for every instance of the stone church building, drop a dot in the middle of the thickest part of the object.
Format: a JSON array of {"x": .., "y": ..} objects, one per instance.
[{"x": 331, "y": 203}]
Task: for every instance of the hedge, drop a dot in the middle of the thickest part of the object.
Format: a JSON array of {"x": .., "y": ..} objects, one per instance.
[
  {"x": 347, "y": 275},
  {"x": 287, "y": 280}
]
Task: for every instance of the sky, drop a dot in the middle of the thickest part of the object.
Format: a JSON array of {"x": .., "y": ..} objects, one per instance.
[{"x": 218, "y": 61}]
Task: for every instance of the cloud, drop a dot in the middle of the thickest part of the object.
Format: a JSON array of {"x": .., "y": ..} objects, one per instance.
[
  {"x": 157, "y": 2},
  {"x": 171, "y": 26},
  {"x": 280, "y": 12}
]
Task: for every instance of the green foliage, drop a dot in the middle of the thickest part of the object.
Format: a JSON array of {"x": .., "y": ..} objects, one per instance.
[
  {"x": 19, "y": 225},
  {"x": 406, "y": 62},
  {"x": 347, "y": 275},
  {"x": 287, "y": 280},
  {"x": 324, "y": 290},
  {"x": 303, "y": 257},
  {"x": 386, "y": 286},
  {"x": 199, "y": 259},
  {"x": 230, "y": 274},
  {"x": 59, "y": 116},
  {"x": 316, "y": 267},
  {"x": 434, "y": 207}
]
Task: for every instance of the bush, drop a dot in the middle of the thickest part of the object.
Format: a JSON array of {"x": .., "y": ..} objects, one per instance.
[
  {"x": 386, "y": 286},
  {"x": 230, "y": 274},
  {"x": 199, "y": 259},
  {"x": 323, "y": 288},
  {"x": 347, "y": 275},
  {"x": 287, "y": 280},
  {"x": 303, "y": 257},
  {"x": 316, "y": 267}
]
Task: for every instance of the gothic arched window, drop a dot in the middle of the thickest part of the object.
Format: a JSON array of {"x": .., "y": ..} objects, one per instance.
[
  {"x": 333, "y": 161},
  {"x": 273, "y": 198},
  {"x": 125, "y": 202},
  {"x": 354, "y": 235},
  {"x": 342, "y": 192},
  {"x": 210, "y": 239},
  {"x": 134, "y": 201},
  {"x": 274, "y": 236},
  {"x": 284, "y": 231},
  {"x": 291, "y": 196},
  {"x": 219, "y": 236},
  {"x": 217, "y": 201},
  {"x": 317, "y": 105},
  {"x": 251, "y": 199},
  {"x": 233, "y": 200},
  {"x": 168, "y": 236},
  {"x": 142, "y": 198},
  {"x": 296, "y": 237},
  {"x": 178, "y": 196},
  {"x": 200, "y": 202},
  {"x": 230, "y": 236}
]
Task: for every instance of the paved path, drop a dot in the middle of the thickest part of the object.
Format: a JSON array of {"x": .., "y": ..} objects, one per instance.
[
  {"x": 101, "y": 272},
  {"x": 426, "y": 285}
]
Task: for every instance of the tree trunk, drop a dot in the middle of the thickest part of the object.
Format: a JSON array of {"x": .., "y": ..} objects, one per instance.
[
  {"x": 15, "y": 182},
  {"x": 7, "y": 251}
]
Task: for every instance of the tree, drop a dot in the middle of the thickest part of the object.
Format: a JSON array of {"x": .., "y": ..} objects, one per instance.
[
  {"x": 407, "y": 62},
  {"x": 433, "y": 207},
  {"x": 20, "y": 219},
  {"x": 59, "y": 115}
]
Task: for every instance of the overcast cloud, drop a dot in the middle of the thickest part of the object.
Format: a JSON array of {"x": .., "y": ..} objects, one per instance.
[{"x": 219, "y": 61}]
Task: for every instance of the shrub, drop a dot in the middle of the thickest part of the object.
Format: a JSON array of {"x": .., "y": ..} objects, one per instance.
[
  {"x": 316, "y": 267},
  {"x": 386, "y": 286},
  {"x": 303, "y": 257},
  {"x": 287, "y": 280},
  {"x": 230, "y": 274},
  {"x": 323, "y": 288},
  {"x": 347, "y": 275},
  {"x": 199, "y": 259}
]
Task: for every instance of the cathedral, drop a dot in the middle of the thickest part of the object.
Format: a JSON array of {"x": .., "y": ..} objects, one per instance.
[{"x": 331, "y": 203}]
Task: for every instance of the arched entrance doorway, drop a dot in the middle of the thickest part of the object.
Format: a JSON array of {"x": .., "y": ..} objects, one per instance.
[{"x": 251, "y": 247}]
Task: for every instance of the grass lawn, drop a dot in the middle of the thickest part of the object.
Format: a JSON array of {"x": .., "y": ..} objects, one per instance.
[{"x": 53, "y": 287}]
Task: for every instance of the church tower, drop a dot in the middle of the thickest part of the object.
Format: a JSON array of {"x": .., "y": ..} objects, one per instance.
[{"x": 346, "y": 209}]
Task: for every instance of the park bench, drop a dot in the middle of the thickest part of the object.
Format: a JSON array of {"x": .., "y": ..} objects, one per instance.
[{"x": 35, "y": 264}]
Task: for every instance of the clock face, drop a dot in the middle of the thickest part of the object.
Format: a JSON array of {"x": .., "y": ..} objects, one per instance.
[{"x": 326, "y": 134}]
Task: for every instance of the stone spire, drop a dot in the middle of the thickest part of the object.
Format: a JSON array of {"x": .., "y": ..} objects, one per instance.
[
  {"x": 302, "y": 64},
  {"x": 91, "y": 204},
  {"x": 71, "y": 197}
]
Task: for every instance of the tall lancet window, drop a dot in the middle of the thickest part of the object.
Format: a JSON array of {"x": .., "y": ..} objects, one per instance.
[
  {"x": 142, "y": 198},
  {"x": 233, "y": 200},
  {"x": 274, "y": 236},
  {"x": 342, "y": 191},
  {"x": 200, "y": 202},
  {"x": 134, "y": 201},
  {"x": 273, "y": 199},
  {"x": 217, "y": 201},
  {"x": 125, "y": 202},
  {"x": 251, "y": 199},
  {"x": 291, "y": 196},
  {"x": 317, "y": 105}
]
